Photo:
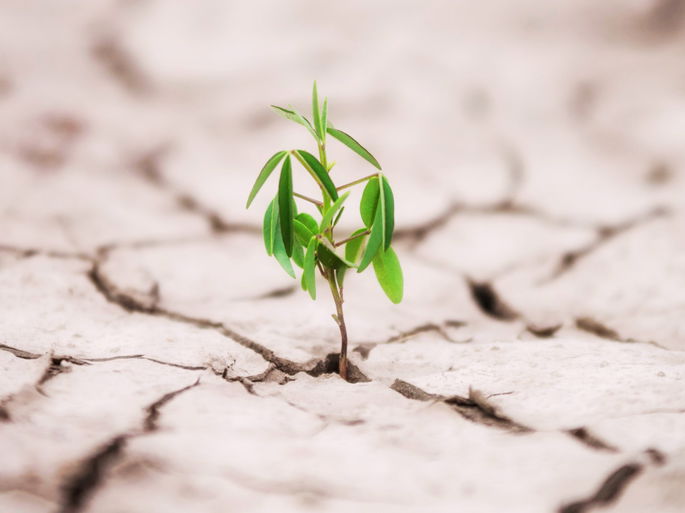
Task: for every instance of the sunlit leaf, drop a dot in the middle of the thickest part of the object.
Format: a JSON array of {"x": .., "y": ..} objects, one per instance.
[
  {"x": 320, "y": 174},
  {"x": 328, "y": 216},
  {"x": 308, "y": 221},
  {"x": 309, "y": 278},
  {"x": 316, "y": 115},
  {"x": 302, "y": 233},
  {"x": 295, "y": 116},
  {"x": 348, "y": 141},
  {"x": 267, "y": 228},
  {"x": 264, "y": 175},
  {"x": 388, "y": 271},
  {"x": 375, "y": 240},
  {"x": 324, "y": 119},
  {"x": 285, "y": 206},
  {"x": 369, "y": 201},
  {"x": 281, "y": 256},
  {"x": 389, "y": 217}
]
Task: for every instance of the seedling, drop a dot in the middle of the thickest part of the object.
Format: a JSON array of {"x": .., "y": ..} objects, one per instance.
[{"x": 290, "y": 235}]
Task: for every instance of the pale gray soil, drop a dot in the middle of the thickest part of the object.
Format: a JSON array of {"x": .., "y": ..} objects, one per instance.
[{"x": 153, "y": 359}]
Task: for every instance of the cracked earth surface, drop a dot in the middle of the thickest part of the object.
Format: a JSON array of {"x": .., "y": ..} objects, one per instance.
[{"x": 152, "y": 359}]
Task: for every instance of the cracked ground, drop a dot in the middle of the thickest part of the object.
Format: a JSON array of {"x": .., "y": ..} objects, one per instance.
[{"x": 153, "y": 359}]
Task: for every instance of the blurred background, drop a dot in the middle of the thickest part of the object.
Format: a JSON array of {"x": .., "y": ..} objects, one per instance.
[{"x": 575, "y": 108}]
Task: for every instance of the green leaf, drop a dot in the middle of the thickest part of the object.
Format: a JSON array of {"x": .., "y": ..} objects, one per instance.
[
  {"x": 353, "y": 247},
  {"x": 369, "y": 201},
  {"x": 285, "y": 206},
  {"x": 281, "y": 255},
  {"x": 267, "y": 229},
  {"x": 328, "y": 216},
  {"x": 295, "y": 116},
  {"x": 298, "y": 256},
  {"x": 264, "y": 175},
  {"x": 309, "y": 278},
  {"x": 375, "y": 240},
  {"x": 330, "y": 255},
  {"x": 316, "y": 115},
  {"x": 308, "y": 221},
  {"x": 312, "y": 164},
  {"x": 324, "y": 119},
  {"x": 348, "y": 141},
  {"x": 386, "y": 265},
  {"x": 389, "y": 217},
  {"x": 302, "y": 233}
]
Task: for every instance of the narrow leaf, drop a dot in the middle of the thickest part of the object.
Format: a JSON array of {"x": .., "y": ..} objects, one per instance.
[
  {"x": 324, "y": 119},
  {"x": 309, "y": 267},
  {"x": 295, "y": 116},
  {"x": 389, "y": 215},
  {"x": 267, "y": 230},
  {"x": 264, "y": 175},
  {"x": 319, "y": 172},
  {"x": 281, "y": 255},
  {"x": 369, "y": 201},
  {"x": 316, "y": 115},
  {"x": 302, "y": 233},
  {"x": 375, "y": 241},
  {"x": 275, "y": 225},
  {"x": 328, "y": 216},
  {"x": 285, "y": 206},
  {"x": 388, "y": 271},
  {"x": 352, "y": 144},
  {"x": 308, "y": 221}
]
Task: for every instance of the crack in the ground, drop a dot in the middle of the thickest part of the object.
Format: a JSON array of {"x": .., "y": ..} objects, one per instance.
[
  {"x": 605, "y": 234},
  {"x": 489, "y": 301},
  {"x": 583, "y": 435},
  {"x": 115, "y": 59},
  {"x": 314, "y": 367},
  {"x": 593, "y": 326},
  {"x": 24, "y": 252},
  {"x": 148, "y": 165},
  {"x": 475, "y": 407},
  {"x": 365, "y": 348},
  {"x": 611, "y": 489},
  {"x": 83, "y": 483}
]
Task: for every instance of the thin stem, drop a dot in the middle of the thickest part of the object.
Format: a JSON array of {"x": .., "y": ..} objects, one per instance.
[
  {"x": 356, "y": 182},
  {"x": 307, "y": 198},
  {"x": 340, "y": 320},
  {"x": 348, "y": 239}
]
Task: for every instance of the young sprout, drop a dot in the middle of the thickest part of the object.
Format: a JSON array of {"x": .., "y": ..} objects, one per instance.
[{"x": 295, "y": 236}]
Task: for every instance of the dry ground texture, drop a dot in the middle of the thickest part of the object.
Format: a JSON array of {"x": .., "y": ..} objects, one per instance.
[{"x": 153, "y": 359}]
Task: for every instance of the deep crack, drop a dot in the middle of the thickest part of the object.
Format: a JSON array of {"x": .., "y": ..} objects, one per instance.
[
  {"x": 489, "y": 301},
  {"x": 608, "y": 491},
  {"x": 84, "y": 482},
  {"x": 475, "y": 407}
]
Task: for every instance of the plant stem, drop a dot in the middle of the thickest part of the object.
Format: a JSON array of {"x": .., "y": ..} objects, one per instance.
[
  {"x": 357, "y": 181},
  {"x": 340, "y": 320},
  {"x": 348, "y": 239},
  {"x": 307, "y": 198}
]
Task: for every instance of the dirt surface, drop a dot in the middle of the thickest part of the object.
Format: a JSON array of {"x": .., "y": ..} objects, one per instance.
[{"x": 153, "y": 359}]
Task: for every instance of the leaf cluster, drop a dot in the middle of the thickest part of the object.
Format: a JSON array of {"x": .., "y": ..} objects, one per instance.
[{"x": 297, "y": 237}]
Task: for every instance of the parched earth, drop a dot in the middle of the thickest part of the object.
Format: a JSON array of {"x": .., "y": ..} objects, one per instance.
[{"x": 153, "y": 359}]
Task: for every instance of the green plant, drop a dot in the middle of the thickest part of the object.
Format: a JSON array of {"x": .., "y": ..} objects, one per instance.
[{"x": 289, "y": 234}]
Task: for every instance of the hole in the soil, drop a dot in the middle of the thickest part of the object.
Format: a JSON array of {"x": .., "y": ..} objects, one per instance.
[
  {"x": 329, "y": 365},
  {"x": 489, "y": 301}
]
